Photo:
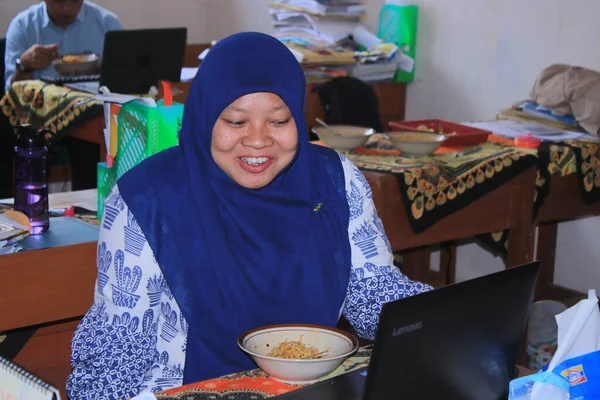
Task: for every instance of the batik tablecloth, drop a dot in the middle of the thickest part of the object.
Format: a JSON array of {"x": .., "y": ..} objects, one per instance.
[
  {"x": 57, "y": 109},
  {"x": 436, "y": 186},
  {"x": 562, "y": 159},
  {"x": 254, "y": 384}
]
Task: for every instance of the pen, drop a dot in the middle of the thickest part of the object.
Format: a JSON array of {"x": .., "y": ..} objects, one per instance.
[{"x": 468, "y": 151}]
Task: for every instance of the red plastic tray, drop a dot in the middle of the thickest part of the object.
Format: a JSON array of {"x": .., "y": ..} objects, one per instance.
[{"x": 463, "y": 134}]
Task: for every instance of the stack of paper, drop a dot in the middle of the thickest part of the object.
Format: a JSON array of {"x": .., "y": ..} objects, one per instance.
[
  {"x": 512, "y": 129},
  {"x": 14, "y": 226},
  {"x": 325, "y": 21}
]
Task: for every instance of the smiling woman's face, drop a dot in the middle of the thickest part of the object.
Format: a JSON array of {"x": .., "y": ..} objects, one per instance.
[{"x": 254, "y": 139}]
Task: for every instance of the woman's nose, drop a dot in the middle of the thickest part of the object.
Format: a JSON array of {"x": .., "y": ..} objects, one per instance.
[{"x": 257, "y": 137}]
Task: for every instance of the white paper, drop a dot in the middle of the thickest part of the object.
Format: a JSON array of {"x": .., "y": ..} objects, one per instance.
[
  {"x": 87, "y": 87},
  {"x": 405, "y": 62},
  {"x": 578, "y": 330},
  {"x": 364, "y": 37},
  {"x": 188, "y": 74},
  {"x": 107, "y": 139},
  {"x": 125, "y": 98},
  {"x": 511, "y": 129},
  {"x": 9, "y": 227},
  {"x": 203, "y": 54}
]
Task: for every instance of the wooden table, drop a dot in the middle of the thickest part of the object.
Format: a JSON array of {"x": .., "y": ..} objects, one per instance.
[
  {"x": 52, "y": 289},
  {"x": 509, "y": 207},
  {"x": 57, "y": 284},
  {"x": 563, "y": 203}
]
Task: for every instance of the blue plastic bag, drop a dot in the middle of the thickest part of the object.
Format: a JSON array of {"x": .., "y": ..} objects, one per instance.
[
  {"x": 578, "y": 378},
  {"x": 583, "y": 374},
  {"x": 548, "y": 386}
]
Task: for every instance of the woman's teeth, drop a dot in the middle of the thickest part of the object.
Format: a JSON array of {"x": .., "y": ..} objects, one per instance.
[{"x": 255, "y": 160}]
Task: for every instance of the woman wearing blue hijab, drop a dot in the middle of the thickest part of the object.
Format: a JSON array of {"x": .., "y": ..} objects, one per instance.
[{"x": 243, "y": 224}]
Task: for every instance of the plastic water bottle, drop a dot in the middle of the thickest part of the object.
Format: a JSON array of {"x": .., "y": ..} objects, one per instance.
[
  {"x": 398, "y": 25},
  {"x": 31, "y": 179}
]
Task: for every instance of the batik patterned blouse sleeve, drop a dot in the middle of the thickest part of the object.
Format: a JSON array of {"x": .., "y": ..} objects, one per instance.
[
  {"x": 374, "y": 280},
  {"x": 133, "y": 337}
]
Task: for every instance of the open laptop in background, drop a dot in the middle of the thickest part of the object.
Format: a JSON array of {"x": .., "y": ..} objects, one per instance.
[
  {"x": 135, "y": 60},
  {"x": 459, "y": 342}
]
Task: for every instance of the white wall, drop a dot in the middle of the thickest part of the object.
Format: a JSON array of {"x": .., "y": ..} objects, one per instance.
[{"x": 474, "y": 58}]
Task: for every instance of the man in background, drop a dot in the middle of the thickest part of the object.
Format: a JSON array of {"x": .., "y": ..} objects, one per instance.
[
  {"x": 41, "y": 34},
  {"x": 51, "y": 28}
]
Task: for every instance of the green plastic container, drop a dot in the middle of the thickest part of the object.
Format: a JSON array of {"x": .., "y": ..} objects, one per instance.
[
  {"x": 398, "y": 25},
  {"x": 106, "y": 182},
  {"x": 143, "y": 131}
]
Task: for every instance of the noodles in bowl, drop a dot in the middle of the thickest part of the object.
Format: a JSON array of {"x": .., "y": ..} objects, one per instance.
[
  {"x": 296, "y": 349},
  {"x": 297, "y": 354}
]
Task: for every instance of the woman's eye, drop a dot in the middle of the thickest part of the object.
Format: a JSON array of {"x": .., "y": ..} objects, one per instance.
[
  {"x": 282, "y": 122},
  {"x": 235, "y": 124}
]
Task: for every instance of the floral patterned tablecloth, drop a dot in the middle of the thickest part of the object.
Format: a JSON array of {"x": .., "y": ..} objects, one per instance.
[
  {"x": 434, "y": 187},
  {"x": 57, "y": 109},
  {"x": 254, "y": 384}
]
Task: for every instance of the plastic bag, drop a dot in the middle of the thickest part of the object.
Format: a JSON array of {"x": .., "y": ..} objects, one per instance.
[{"x": 548, "y": 386}]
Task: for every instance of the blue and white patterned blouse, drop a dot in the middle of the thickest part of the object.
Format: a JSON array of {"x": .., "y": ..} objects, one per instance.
[{"x": 133, "y": 338}]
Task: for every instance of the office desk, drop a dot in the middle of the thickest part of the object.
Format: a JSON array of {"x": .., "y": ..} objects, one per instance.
[{"x": 51, "y": 289}]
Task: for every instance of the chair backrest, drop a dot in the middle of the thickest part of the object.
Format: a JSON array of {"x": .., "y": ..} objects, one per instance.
[
  {"x": 2, "y": 66},
  {"x": 350, "y": 101}
]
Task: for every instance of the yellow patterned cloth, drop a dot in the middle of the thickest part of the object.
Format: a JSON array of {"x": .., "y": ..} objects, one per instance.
[
  {"x": 580, "y": 157},
  {"x": 56, "y": 109},
  {"x": 436, "y": 186}
]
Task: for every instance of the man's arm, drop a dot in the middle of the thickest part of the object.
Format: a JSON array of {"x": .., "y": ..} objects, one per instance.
[
  {"x": 16, "y": 44},
  {"x": 32, "y": 57}
]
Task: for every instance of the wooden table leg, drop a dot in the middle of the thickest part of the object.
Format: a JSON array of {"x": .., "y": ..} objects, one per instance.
[
  {"x": 415, "y": 263},
  {"x": 520, "y": 246},
  {"x": 448, "y": 261},
  {"x": 546, "y": 253},
  {"x": 521, "y": 238}
]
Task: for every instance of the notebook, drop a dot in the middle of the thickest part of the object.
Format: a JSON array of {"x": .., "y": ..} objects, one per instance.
[
  {"x": 18, "y": 384},
  {"x": 64, "y": 231}
]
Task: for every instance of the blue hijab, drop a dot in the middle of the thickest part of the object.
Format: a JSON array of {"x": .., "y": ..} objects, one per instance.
[{"x": 237, "y": 258}]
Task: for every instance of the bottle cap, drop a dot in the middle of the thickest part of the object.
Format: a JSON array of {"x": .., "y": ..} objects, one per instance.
[{"x": 29, "y": 137}]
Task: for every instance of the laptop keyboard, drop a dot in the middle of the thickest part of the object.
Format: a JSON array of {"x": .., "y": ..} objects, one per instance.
[{"x": 61, "y": 80}]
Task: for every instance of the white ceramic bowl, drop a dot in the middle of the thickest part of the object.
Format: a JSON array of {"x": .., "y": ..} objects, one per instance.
[
  {"x": 76, "y": 64},
  {"x": 260, "y": 341},
  {"x": 349, "y": 138},
  {"x": 416, "y": 144}
]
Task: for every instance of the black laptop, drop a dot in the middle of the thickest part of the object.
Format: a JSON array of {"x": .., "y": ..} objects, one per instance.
[
  {"x": 134, "y": 60},
  {"x": 459, "y": 342}
]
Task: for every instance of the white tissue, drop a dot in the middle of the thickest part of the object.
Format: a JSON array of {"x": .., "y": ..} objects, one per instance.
[
  {"x": 578, "y": 334},
  {"x": 578, "y": 330}
]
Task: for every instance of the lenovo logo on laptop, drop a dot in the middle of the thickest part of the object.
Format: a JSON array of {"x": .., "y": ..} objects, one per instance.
[{"x": 402, "y": 330}]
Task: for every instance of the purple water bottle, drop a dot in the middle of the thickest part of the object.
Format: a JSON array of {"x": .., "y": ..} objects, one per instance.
[{"x": 31, "y": 179}]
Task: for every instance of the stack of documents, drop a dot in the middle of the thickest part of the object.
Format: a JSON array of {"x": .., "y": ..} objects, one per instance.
[
  {"x": 325, "y": 21},
  {"x": 512, "y": 129}
]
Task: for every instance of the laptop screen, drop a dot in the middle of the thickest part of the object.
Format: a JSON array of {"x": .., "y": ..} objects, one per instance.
[{"x": 135, "y": 60}]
